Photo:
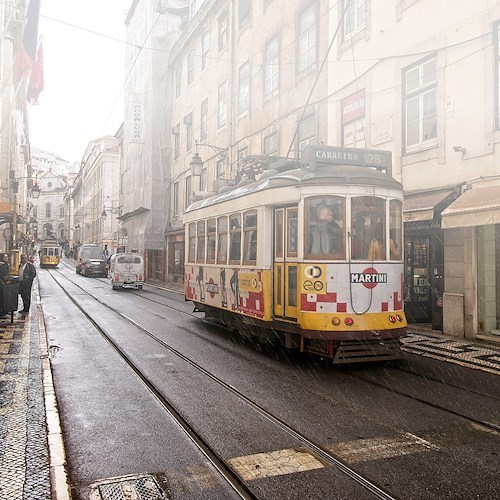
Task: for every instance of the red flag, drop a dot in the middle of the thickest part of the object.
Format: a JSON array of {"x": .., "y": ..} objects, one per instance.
[
  {"x": 21, "y": 66},
  {"x": 37, "y": 78}
]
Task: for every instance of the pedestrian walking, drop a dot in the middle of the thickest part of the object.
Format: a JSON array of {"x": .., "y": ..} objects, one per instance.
[
  {"x": 27, "y": 273},
  {"x": 4, "y": 272}
]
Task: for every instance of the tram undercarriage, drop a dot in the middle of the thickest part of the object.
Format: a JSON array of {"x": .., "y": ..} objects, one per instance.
[{"x": 341, "y": 347}]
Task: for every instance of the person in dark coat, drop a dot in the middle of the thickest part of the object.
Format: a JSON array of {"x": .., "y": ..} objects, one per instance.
[
  {"x": 27, "y": 273},
  {"x": 4, "y": 272}
]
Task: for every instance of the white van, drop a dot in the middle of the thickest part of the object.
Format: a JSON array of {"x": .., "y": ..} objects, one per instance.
[{"x": 126, "y": 270}]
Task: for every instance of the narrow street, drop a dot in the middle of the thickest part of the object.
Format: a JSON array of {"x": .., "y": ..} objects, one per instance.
[{"x": 419, "y": 429}]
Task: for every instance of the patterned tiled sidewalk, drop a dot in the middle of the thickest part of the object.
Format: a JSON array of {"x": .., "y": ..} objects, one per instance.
[
  {"x": 30, "y": 469},
  {"x": 479, "y": 355}
]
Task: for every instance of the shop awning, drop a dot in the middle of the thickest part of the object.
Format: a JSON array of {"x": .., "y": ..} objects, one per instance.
[
  {"x": 476, "y": 207},
  {"x": 421, "y": 206}
]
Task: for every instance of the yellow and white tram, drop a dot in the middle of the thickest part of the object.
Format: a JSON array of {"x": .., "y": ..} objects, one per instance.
[
  {"x": 310, "y": 252},
  {"x": 50, "y": 253}
]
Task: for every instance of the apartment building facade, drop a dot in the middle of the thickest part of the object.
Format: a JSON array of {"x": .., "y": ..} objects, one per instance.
[
  {"x": 96, "y": 189},
  {"x": 245, "y": 84}
]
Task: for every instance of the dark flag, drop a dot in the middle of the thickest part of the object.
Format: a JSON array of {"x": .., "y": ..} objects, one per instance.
[{"x": 30, "y": 39}]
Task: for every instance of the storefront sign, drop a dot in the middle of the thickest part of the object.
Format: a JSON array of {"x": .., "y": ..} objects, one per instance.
[{"x": 353, "y": 107}]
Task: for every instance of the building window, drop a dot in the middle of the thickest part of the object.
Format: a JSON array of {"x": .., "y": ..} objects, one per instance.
[
  {"x": 496, "y": 41},
  {"x": 175, "y": 199},
  {"x": 178, "y": 74},
  {"x": 354, "y": 134},
  {"x": 203, "y": 179},
  {"x": 188, "y": 121},
  {"x": 177, "y": 140},
  {"x": 244, "y": 90},
  {"x": 222, "y": 105},
  {"x": 48, "y": 211},
  {"x": 188, "y": 192},
  {"x": 244, "y": 12},
  {"x": 420, "y": 105},
  {"x": 307, "y": 39},
  {"x": 242, "y": 153},
  {"x": 223, "y": 35},
  {"x": 307, "y": 131},
  {"x": 270, "y": 144},
  {"x": 221, "y": 169},
  {"x": 190, "y": 64},
  {"x": 205, "y": 50},
  {"x": 271, "y": 69},
  {"x": 61, "y": 210},
  {"x": 355, "y": 17},
  {"x": 204, "y": 120}
]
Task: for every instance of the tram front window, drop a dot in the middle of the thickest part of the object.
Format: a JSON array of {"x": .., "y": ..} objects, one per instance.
[
  {"x": 368, "y": 228},
  {"x": 325, "y": 228}
]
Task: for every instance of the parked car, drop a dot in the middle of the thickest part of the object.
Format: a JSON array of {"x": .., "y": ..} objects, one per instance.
[{"x": 95, "y": 267}]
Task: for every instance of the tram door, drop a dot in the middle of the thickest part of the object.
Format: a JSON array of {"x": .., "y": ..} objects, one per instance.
[{"x": 285, "y": 262}]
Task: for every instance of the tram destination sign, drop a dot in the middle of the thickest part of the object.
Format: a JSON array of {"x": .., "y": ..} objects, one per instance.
[{"x": 379, "y": 159}]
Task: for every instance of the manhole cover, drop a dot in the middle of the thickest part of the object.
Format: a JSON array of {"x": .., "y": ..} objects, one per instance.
[{"x": 142, "y": 487}]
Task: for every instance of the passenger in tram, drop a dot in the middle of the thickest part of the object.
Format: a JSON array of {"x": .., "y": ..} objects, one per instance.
[
  {"x": 326, "y": 235},
  {"x": 377, "y": 245}
]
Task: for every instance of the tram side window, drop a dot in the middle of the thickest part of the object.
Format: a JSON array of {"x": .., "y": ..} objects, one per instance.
[
  {"x": 368, "y": 228},
  {"x": 396, "y": 229},
  {"x": 325, "y": 224},
  {"x": 211, "y": 236},
  {"x": 222, "y": 240},
  {"x": 192, "y": 242},
  {"x": 250, "y": 237},
  {"x": 235, "y": 239},
  {"x": 200, "y": 249}
]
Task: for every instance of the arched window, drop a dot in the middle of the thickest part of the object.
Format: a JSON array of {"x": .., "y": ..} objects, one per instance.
[{"x": 48, "y": 210}]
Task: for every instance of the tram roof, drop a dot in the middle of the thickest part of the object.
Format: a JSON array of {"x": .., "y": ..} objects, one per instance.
[{"x": 323, "y": 173}]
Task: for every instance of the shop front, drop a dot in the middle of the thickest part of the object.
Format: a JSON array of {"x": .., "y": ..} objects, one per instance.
[
  {"x": 424, "y": 255},
  {"x": 175, "y": 257},
  {"x": 472, "y": 287}
]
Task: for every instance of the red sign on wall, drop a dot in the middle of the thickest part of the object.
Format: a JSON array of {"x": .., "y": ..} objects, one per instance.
[{"x": 353, "y": 106}]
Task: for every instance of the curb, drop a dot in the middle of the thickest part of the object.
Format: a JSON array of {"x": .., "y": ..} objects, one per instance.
[{"x": 57, "y": 456}]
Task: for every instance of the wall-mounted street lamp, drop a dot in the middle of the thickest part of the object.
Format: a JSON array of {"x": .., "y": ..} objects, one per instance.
[
  {"x": 35, "y": 189},
  {"x": 196, "y": 163},
  {"x": 104, "y": 215}
]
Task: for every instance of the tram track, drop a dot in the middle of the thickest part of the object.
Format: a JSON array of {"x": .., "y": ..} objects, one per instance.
[
  {"x": 227, "y": 472},
  {"x": 487, "y": 425}
]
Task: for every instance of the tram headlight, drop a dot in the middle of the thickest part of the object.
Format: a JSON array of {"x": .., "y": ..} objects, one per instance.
[
  {"x": 399, "y": 317},
  {"x": 336, "y": 321},
  {"x": 392, "y": 318},
  {"x": 349, "y": 322}
]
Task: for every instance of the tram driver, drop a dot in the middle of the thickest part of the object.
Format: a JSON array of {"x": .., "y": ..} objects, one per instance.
[{"x": 326, "y": 235}]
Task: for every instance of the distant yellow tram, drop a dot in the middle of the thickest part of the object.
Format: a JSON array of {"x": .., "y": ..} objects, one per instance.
[{"x": 50, "y": 253}]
